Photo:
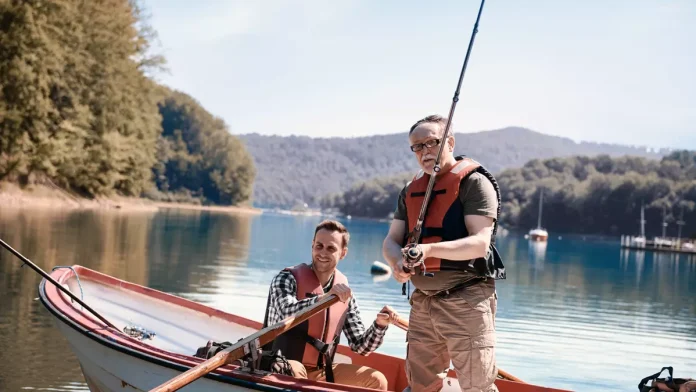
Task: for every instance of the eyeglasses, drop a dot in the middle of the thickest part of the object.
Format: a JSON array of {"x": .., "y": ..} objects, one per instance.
[{"x": 430, "y": 144}]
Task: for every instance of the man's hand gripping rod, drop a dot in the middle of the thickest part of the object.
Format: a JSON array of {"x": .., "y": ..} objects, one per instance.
[{"x": 414, "y": 255}]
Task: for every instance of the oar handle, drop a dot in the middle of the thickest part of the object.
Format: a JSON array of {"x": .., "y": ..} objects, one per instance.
[
  {"x": 236, "y": 351},
  {"x": 403, "y": 324},
  {"x": 509, "y": 376},
  {"x": 194, "y": 373}
]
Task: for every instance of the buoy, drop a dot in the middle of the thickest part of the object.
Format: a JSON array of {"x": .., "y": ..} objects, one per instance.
[
  {"x": 380, "y": 278},
  {"x": 379, "y": 268}
]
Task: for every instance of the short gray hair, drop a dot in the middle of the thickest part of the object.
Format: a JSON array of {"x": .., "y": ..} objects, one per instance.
[{"x": 433, "y": 119}]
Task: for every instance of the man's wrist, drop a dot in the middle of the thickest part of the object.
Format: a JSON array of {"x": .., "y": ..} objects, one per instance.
[
  {"x": 393, "y": 264},
  {"x": 378, "y": 327},
  {"x": 427, "y": 249}
]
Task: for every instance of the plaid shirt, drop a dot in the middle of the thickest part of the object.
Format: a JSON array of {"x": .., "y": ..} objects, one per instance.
[{"x": 284, "y": 303}]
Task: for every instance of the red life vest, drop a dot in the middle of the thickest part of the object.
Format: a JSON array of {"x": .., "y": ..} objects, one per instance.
[
  {"x": 322, "y": 331},
  {"x": 444, "y": 217}
]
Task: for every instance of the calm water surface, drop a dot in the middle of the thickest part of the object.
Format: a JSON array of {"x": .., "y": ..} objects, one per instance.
[{"x": 577, "y": 313}]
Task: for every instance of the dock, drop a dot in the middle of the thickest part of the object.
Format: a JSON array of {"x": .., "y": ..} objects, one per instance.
[
  {"x": 658, "y": 244},
  {"x": 662, "y": 243}
]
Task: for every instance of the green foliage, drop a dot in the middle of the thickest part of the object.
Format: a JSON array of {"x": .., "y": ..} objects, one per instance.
[
  {"x": 374, "y": 198},
  {"x": 78, "y": 108},
  {"x": 296, "y": 170},
  {"x": 40, "y": 110},
  {"x": 197, "y": 154},
  {"x": 598, "y": 195}
]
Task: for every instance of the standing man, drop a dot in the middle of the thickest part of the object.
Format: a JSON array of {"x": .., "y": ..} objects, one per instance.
[
  {"x": 454, "y": 304},
  {"x": 310, "y": 347}
]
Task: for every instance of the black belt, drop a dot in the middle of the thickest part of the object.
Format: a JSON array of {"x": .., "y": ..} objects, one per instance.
[{"x": 458, "y": 287}]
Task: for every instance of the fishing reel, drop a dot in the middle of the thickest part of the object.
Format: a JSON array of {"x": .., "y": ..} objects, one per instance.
[{"x": 414, "y": 259}]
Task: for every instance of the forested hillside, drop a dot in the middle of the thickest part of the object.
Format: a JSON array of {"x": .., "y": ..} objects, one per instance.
[
  {"x": 198, "y": 158},
  {"x": 598, "y": 195},
  {"x": 79, "y": 109},
  {"x": 294, "y": 170}
]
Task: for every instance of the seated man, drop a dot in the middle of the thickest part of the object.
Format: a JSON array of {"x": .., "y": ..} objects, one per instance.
[{"x": 308, "y": 352}]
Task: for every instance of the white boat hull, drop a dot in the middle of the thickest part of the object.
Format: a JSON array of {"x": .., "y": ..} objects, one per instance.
[
  {"x": 538, "y": 235},
  {"x": 109, "y": 370}
]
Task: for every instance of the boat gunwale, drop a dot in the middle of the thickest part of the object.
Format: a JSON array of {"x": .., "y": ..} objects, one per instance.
[{"x": 79, "y": 319}]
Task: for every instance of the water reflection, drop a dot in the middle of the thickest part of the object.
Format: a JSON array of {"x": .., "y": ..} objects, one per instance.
[
  {"x": 537, "y": 253},
  {"x": 114, "y": 243},
  {"x": 188, "y": 248},
  {"x": 593, "y": 300},
  {"x": 167, "y": 250},
  {"x": 563, "y": 301}
]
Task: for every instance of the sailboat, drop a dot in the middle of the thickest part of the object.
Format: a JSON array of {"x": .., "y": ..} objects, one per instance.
[{"x": 539, "y": 234}]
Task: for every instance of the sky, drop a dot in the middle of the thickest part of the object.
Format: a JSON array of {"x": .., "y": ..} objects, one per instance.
[{"x": 600, "y": 70}]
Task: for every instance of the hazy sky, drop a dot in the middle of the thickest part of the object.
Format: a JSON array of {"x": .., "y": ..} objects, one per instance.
[{"x": 609, "y": 70}]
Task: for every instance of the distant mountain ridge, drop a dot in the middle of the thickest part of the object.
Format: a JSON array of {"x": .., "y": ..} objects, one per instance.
[{"x": 292, "y": 170}]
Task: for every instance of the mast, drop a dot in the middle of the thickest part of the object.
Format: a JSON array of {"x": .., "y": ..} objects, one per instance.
[
  {"x": 680, "y": 222},
  {"x": 541, "y": 198},
  {"x": 642, "y": 220}
]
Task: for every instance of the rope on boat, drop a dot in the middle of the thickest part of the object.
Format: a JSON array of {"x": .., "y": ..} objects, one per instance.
[{"x": 76, "y": 276}]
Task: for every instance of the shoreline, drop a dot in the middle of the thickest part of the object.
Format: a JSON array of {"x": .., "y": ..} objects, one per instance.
[{"x": 40, "y": 196}]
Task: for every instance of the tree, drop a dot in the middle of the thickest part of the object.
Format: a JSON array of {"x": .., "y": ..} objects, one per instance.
[
  {"x": 76, "y": 106},
  {"x": 600, "y": 195},
  {"x": 199, "y": 156}
]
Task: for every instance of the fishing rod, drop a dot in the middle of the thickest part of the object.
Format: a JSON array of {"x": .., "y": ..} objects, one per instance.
[
  {"x": 414, "y": 254},
  {"x": 58, "y": 285}
]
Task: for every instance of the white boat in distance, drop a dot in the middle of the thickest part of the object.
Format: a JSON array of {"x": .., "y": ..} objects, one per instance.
[{"x": 539, "y": 234}]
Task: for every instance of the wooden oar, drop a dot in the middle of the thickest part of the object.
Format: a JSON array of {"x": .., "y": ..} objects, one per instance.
[
  {"x": 237, "y": 350},
  {"x": 403, "y": 324}
]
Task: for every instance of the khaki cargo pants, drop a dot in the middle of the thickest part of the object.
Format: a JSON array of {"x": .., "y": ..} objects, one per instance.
[
  {"x": 344, "y": 373},
  {"x": 459, "y": 327}
]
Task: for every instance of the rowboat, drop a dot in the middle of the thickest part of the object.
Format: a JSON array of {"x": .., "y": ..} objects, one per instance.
[{"x": 157, "y": 335}]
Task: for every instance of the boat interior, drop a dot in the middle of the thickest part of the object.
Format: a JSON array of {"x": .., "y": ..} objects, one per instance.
[{"x": 179, "y": 326}]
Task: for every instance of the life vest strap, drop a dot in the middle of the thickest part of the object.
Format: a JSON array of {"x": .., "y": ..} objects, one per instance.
[
  {"x": 432, "y": 193},
  {"x": 325, "y": 350},
  {"x": 432, "y": 232}
]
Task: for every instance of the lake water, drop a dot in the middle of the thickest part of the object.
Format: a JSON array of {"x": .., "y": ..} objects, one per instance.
[{"x": 577, "y": 313}]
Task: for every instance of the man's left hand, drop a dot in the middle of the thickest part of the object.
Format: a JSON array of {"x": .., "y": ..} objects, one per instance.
[{"x": 386, "y": 316}]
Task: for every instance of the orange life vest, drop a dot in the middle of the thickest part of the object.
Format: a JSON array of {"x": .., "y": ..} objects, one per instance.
[
  {"x": 321, "y": 331},
  {"x": 444, "y": 217}
]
